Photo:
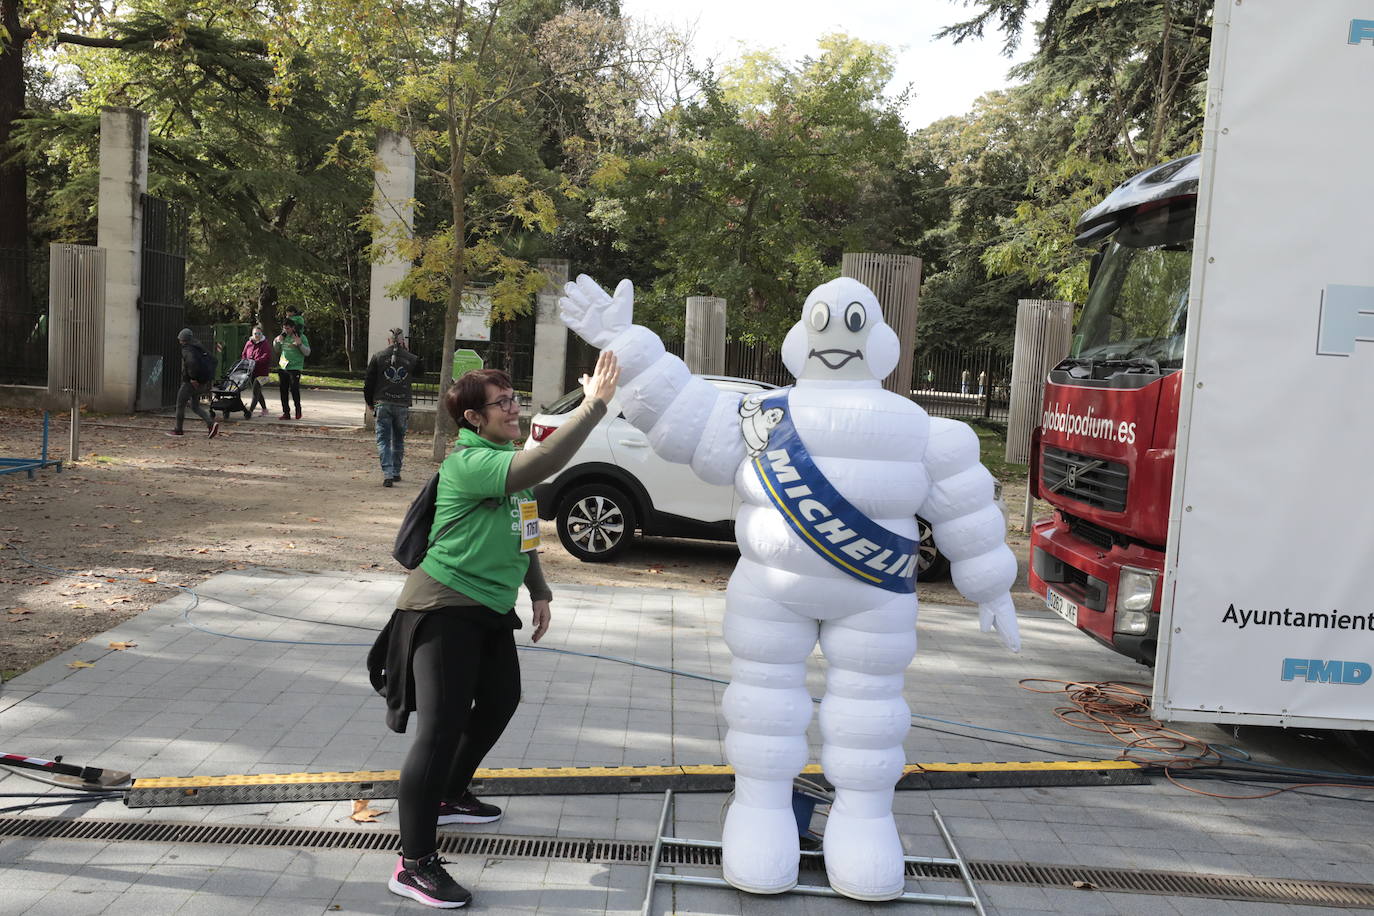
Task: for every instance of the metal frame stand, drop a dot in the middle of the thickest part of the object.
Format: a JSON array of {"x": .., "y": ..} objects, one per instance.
[
  {"x": 656, "y": 877},
  {"x": 11, "y": 465}
]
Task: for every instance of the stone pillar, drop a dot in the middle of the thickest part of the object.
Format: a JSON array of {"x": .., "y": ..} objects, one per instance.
[
  {"x": 550, "y": 336},
  {"x": 119, "y": 231},
  {"x": 896, "y": 280},
  {"x": 704, "y": 343},
  {"x": 393, "y": 207}
]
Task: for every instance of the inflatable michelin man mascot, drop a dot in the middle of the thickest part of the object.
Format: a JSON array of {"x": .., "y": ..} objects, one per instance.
[{"x": 831, "y": 473}]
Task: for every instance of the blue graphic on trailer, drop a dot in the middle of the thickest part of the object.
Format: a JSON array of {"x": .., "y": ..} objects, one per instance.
[{"x": 1347, "y": 318}]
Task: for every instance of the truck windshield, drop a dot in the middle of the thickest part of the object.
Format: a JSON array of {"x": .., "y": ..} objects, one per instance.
[{"x": 1137, "y": 308}]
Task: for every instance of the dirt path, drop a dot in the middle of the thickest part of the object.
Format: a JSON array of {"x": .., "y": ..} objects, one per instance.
[{"x": 141, "y": 512}]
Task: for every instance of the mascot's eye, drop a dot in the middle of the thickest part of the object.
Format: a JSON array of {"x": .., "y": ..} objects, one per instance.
[
  {"x": 820, "y": 316},
  {"x": 855, "y": 316}
]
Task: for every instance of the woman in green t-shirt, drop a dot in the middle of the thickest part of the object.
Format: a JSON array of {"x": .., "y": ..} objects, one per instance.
[{"x": 450, "y": 646}]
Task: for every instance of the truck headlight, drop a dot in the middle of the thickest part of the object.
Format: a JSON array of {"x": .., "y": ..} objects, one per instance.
[{"x": 1135, "y": 595}]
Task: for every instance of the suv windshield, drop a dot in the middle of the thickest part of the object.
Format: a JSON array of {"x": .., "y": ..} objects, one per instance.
[{"x": 1137, "y": 308}]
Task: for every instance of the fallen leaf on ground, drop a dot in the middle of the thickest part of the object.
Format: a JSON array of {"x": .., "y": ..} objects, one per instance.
[
  {"x": 123, "y": 645},
  {"x": 1085, "y": 885},
  {"x": 151, "y": 580},
  {"x": 18, "y": 610},
  {"x": 363, "y": 814},
  {"x": 80, "y": 665},
  {"x": 656, "y": 568}
]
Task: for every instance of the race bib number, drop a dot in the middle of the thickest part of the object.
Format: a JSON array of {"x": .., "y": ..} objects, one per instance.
[{"x": 529, "y": 525}]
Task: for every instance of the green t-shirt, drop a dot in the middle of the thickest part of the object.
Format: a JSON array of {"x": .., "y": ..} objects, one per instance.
[
  {"x": 291, "y": 356},
  {"x": 480, "y": 556}
]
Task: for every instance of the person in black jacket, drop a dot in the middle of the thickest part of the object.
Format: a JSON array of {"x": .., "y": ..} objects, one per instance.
[
  {"x": 386, "y": 389},
  {"x": 196, "y": 375}
]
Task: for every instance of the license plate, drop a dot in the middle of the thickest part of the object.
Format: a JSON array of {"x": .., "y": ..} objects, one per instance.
[{"x": 1062, "y": 606}]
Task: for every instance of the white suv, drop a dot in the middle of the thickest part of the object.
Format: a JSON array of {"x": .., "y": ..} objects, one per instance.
[{"x": 616, "y": 484}]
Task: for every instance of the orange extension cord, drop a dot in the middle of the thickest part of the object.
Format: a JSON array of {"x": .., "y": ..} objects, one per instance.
[{"x": 1121, "y": 710}]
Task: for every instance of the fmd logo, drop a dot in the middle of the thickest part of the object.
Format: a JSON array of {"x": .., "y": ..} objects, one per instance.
[
  {"x": 1361, "y": 30},
  {"x": 1320, "y": 671},
  {"x": 1346, "y": 317}
]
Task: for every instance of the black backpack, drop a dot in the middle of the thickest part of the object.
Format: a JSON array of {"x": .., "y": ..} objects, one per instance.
[
  {"x": 413, "y": 540},
  {"x": 203, "y": 370}
]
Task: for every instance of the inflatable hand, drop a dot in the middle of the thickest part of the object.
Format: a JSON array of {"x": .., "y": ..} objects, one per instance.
[
  {"x": 1000, "y": 615},
  {"x": 594, "y": 316}
]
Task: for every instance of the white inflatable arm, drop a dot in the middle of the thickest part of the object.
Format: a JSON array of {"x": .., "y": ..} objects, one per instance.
[
  {"x": 969, "y": 528},
  {"x": 687, "y": 419}
]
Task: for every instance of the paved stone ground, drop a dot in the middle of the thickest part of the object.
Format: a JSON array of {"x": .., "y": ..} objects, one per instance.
[{"x": 227, "y": 681}]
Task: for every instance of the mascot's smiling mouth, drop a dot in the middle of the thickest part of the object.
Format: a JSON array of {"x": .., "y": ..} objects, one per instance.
[{"x": 825, "y": 356}]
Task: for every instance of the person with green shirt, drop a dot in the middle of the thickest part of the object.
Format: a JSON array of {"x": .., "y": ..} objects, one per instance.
[
  {"x": 449, "y": 649},
  {"x": 291, "y": 347}
]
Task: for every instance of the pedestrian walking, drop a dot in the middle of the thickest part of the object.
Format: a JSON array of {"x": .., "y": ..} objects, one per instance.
[
  {"x": 982, "y": 381},
  {"x": 963, "y": 381},
  {"x": 448, "y": 652},
  {"x": 259, "y": 350},
  {"x": 291, "y": 347},
  {"x": 197, "y": 372},
  {"x": 386, "y": 389}
]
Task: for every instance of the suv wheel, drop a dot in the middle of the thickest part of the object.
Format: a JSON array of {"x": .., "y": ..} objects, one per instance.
[
  {"x": 930, "y": 563},
  {"x": 595, "y": 522}
]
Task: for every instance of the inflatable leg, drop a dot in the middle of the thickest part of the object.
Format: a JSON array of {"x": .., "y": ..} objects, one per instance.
[
  {"x": 863, "y": 722},
  {"x": 767, "y": 710}
]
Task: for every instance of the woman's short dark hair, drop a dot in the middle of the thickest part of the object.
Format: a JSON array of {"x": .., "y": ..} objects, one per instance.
[{"x": 470, "y": 393}]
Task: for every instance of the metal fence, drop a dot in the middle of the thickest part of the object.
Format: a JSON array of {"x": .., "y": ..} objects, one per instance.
[
  {"x": 23, "y": 320},
  {"x": 161, "y": 302},
  {"x": 963, "y": 384}
]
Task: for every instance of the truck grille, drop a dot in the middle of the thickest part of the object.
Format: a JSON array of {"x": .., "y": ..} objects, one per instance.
[
  {"x": 1093, "y": 534},
  {"x": 1094, "y": 481}
]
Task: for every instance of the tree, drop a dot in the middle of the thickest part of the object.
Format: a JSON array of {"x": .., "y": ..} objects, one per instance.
[
  {"x": 1129, "y": 77},
  {"x": 462, "y": 79},
  {"x": 753, "y": 189},
  {"x": 243, "y": 136}
]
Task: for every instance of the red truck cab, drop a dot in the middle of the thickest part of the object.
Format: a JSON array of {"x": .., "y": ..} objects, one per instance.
[{"x": 1103, "y": 455}]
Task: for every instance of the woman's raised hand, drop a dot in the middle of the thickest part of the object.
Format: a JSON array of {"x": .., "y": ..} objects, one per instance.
[{"x": 601, "y": 383}]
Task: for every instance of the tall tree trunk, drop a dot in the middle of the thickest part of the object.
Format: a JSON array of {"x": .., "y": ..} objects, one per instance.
[
  {"x": 16, "y": 305},
  {"x": 267, "y": 310},
  {"x": 444, "y": 427}
]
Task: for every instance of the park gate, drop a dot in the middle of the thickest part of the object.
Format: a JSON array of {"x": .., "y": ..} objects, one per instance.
[{"x": 161, "y": 302}]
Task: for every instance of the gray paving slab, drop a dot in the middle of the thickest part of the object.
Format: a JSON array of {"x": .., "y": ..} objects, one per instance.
[{"x": 262, "y": 672}]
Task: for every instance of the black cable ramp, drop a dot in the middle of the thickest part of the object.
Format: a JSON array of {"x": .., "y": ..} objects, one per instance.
[{"x": 341, "y": 786}]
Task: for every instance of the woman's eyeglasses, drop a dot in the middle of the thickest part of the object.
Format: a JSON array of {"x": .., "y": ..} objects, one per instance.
[{"x": 508, "y": 403}]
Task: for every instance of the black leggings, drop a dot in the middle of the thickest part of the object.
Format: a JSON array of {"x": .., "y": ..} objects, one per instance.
[
  {"x": 467, "y": 685},
  {"x": 257, "y": 396},
  {"x": 290, "y": 382}
]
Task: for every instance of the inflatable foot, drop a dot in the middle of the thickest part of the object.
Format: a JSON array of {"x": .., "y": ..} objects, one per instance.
[
  {"x": 761, "y": 849},
  {"x": 863, "y": 856}
]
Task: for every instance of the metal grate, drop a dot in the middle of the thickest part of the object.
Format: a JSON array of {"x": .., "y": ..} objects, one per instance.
[
  {"x": 1093, "y": 534},
  {"x": 1268, "y": 890},
  {"x": 1090, "y": 480}
]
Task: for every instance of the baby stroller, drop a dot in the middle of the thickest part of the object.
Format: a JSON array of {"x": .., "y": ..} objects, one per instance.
[{"x": 226, "y": 395}]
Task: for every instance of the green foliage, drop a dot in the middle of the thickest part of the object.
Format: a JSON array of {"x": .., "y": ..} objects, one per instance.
[
  {"x": 753, "y": 190},
  {"x": 1114, "y": 86}
]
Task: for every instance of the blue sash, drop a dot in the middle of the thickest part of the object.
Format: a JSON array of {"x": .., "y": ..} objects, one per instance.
[{"x": 830, "y": 524}]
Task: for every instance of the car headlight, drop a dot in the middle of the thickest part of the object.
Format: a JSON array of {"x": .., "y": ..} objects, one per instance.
[{"x": 1135, "y": 595}]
